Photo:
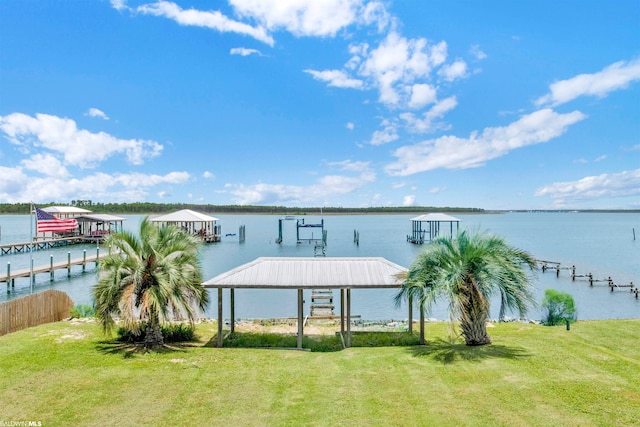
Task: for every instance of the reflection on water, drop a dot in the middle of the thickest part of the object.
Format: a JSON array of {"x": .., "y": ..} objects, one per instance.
[{"x": 597, "y": 243}]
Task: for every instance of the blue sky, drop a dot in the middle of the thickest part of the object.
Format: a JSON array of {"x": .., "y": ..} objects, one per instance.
[{"x": 355, "y": 103}]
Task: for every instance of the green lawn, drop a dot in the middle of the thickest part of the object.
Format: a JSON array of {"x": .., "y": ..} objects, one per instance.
[{"x": 66, "y": 374}]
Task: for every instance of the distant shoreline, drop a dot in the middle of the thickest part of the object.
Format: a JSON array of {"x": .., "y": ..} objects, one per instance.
[{"x": 159, "y": 208}]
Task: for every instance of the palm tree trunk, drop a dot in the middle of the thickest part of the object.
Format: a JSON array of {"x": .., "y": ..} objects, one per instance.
[
  {"x": 153, "y": 337},
  {"x": 475, "y": 311}
]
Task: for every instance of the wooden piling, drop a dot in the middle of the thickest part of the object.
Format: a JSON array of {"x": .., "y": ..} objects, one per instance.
[
  {"x": 84, "y": 260},
  {"x": 51, "y": 274},
  {"x": 68, "y": 264},
  {"x": 8, "y": 276}
]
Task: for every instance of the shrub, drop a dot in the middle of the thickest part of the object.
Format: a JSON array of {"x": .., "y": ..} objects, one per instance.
[
  {"x": 171, "y": 332},
  {"x": 557, "y": 308},
  {"x": 82, "y": 310}
]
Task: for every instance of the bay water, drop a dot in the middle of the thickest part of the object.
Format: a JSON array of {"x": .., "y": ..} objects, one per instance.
[{"x": 602, "y": 244}]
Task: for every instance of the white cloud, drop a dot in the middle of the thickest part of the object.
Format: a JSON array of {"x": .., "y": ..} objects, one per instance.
[
  {"x": 388, "y": 134},
  {"x": 79, "y": 147},
  {"x": 336, "y": 78},
  {"x": 311, "y": 17},
  {"x": 451, "y": 72},
  {"x": 600, "y": 158},
  {"x": 451, "y": 152},
  {"x": 119, "y": 4},
  {"x": 46, "y": 164},
  {"x": 397, "y": 62},
  {"x": 208, "y": 19},
  {"x": 477, "y": 52},
  {"x": 409, "y": 200},
  {"x": 20, "y": 187},
  {"x": 243, "y": 51},
  {"x": 208, "y": 175},
  {"x": 397, "y": 185},
  {"x": 623, "y": 184},
  {"x": 435, "y": 190},
  {"x": 425, "y": 124},
  {"x": 94, "y": 112},
  {"x": 616, "y": 76},
  {"x": 376, "y": 13},
  {"x": 350, "y": 126},
  {"x": 581, "y": 161},
  {"x": 325, "y": 188},
  {"x": 348, "y": 165},
  {"x": 422, "y": 94}
]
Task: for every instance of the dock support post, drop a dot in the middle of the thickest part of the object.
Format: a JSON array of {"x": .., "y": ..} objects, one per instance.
[
  {"x": 84, "y": 260},
  {"x": 342, "y": 311},
  {"x": 51, "y": 274},
  {"x": 558, "y": 270},
  {"x": 8, "y": 277},
  {"x": 590, "y": 279},
  {"x": 33, "y": 276},
  {"x": 348, "y": 317},
  {"x": 573, "y": 273},
  {"x": 69, "y": 264},
  {"x": 219, "y": 317},
  {"x": 97, "y": 255},
  {"x": 233, "y": 310},
  {"x": 300, "y": 318}
]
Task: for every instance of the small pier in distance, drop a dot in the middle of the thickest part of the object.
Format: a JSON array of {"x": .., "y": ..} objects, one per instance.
[
  {"x": 300, "y": 224},
  {"x": 556, "y": 266},
  {"x": 425, "y": 228}
]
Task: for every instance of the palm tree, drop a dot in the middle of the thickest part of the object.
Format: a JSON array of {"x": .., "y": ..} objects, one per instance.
[
  {"x": 467, "y": 271},
  {"x": 149, "y": 280}
]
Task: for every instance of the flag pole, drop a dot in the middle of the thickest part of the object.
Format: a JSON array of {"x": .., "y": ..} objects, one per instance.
[{"x": 31, "y": 244}]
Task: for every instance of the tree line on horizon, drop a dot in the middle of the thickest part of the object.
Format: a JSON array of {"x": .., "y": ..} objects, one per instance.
[{"x": 150, "y": 207}]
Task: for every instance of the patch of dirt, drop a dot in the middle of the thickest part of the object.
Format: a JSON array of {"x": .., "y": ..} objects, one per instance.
[{"x": 71, "y": 335}]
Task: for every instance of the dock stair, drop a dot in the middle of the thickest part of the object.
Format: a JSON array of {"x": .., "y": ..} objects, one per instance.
[{"x": 322, "y": 303}]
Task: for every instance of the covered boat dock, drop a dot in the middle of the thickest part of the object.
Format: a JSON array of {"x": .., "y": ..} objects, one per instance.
[
  {"x": 95, "y": 227},
  {"x": 425, "y": 228},
  {"x": 299, "y": 273},
  {"x": 195, "y": 223}
]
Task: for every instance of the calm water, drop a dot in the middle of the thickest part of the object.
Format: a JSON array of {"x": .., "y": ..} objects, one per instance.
[{"x": 596, "y": 243}]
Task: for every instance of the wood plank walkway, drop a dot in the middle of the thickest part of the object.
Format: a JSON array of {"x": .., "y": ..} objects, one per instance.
[
  {"x": 10, "y": 276},
  {"x": 21, "y": 247}
]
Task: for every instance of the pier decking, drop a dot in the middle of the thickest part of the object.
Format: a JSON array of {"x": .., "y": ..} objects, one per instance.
[
  {"x": 10, "y": 276},
  {"x": 40, "y": 244}
]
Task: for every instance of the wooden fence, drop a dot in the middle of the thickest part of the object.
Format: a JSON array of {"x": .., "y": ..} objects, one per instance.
[{"x": 33, "y": 310}]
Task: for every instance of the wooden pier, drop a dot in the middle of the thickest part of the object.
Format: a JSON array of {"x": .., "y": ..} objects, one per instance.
[
  {"x": 322, "y": 303},
  {"x": 553, "y": 265},
  {"x": 10, "y": 276},
  {"x": 40, "y": 244}
]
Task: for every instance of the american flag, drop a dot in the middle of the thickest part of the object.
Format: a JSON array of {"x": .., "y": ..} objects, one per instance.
[{"x": 45, "y": 222}]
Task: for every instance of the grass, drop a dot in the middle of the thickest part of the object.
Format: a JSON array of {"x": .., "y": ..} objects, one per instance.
[{"x": 68, "y": 374}]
